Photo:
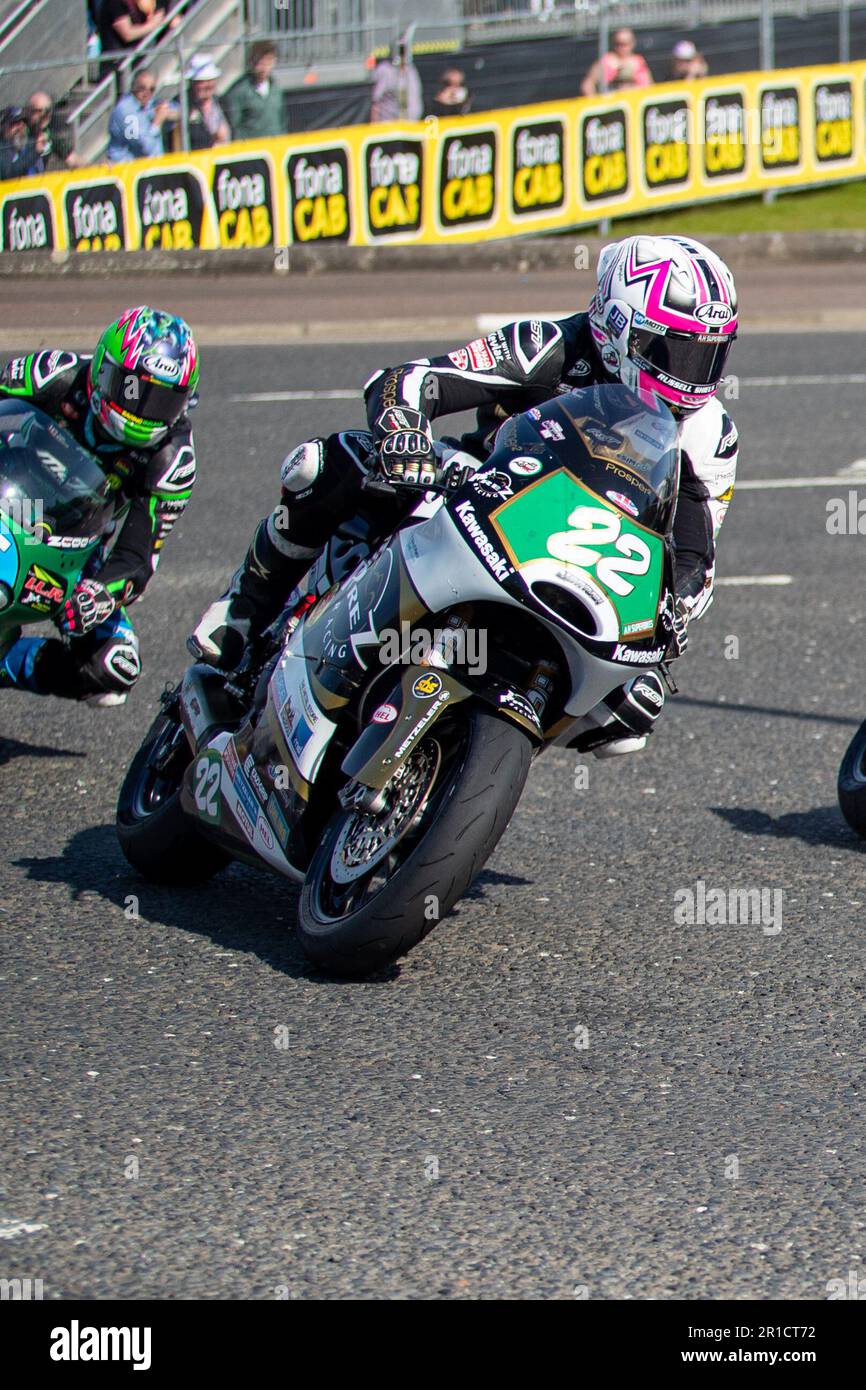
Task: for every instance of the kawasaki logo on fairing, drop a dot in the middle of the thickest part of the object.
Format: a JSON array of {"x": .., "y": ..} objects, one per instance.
[
  {"x": 622, "y": 652},
  {"x": 497, "y": 563}
]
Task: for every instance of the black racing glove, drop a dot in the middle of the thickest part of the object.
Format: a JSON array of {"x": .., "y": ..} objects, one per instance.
[
  {"x": 404, "y": 450},
  {"x": 88, "y": 605}
]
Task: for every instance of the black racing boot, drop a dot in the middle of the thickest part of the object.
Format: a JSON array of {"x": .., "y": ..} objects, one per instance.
[{"x": 255, "y": 597}]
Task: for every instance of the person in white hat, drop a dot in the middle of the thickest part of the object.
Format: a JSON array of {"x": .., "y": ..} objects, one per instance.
[
  {"x": 207, "y": 122},
  {"x": 686, "y": 62}
]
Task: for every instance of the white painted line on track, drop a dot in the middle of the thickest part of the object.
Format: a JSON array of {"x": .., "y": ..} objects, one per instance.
[
  {"x": 263, "y": 397},
  {"x": 767, "y": 581},
  {"x": 769, "y": 484},
  {"x": 847, "y": 379}
]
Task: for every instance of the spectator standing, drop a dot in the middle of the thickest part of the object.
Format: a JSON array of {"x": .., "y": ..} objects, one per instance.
[
  {"x": 620, "y": 68},
  {"x": 254, "y": 104},
  {"x": 207, "y": 121},
  {"x": 136, "y": 124},
  {"x": 13, "y": 142},
  {"x": 687, "y": 63},
  {"x": 397, "y": 93},
  {"x": 124, "y": 23},
  {"x": 452, "y": 96}
]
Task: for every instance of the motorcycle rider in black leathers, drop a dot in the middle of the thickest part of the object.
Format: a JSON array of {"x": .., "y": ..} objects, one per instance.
[
  {"x": 127, "y": 405},
  {"x": 662, "y": 320}
]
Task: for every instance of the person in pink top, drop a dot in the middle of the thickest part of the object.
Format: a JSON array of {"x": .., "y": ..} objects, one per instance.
[{"x": 620, "y": 68}]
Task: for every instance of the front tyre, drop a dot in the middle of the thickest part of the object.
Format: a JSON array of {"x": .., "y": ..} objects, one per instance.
[
  {"x": 379, "y": 882},
  {"x": 157, "y": 836},
  {"x": 852, "y": 783}
]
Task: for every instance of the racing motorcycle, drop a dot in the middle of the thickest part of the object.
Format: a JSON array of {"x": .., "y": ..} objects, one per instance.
[
  {"x": 377, "y": 767},
  {"x": 56, "y": 512}
]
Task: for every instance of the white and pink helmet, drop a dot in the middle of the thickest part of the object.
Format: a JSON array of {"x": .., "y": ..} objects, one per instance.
[{"x": 664, "y": 317}]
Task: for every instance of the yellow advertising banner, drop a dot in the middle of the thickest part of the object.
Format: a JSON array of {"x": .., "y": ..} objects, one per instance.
[{"x": 506, "y": 173}]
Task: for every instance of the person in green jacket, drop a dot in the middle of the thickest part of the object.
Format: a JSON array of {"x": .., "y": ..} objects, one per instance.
[{"x": 254, "y": 104}]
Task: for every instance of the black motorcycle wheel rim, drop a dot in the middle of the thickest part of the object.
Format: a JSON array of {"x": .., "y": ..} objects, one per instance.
[{"x": 157, "y": 782}]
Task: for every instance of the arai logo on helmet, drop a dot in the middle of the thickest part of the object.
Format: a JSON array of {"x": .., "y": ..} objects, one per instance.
[
  {"x": 161, "y": 366},
  {"x": 714, "y": 313}
]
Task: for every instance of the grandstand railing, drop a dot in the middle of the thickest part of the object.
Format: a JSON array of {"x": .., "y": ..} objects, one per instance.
[
  {"x": 42, "y": 31},
  {"x": 352, "y": 29}
]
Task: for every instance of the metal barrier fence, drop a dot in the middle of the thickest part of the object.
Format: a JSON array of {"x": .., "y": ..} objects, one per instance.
[{"x": 312, "y": 31}]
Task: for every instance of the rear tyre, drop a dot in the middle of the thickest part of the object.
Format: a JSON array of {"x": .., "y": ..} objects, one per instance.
[
  {"x": 378, "y": 884},
  {"x": 852, "y": 783},
  {"x": 157, "y": 836}
]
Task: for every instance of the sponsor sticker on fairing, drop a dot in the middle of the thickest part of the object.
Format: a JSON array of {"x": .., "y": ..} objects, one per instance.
[
  {"x": 495, "y": 562},
  {"x": 230, "y": 758},
  {"x": 385, "y": 714},
  {"x": 551, "y": 429},
  {"x": 255, "y": 780},
  {"x": 621, "y": 652},
  {"x": 263, "y": 830},
  {"x": 622, "y": 501},
  {"x": 513, "y": 699},
  {"x": 429, "y": 714},
  {"x": 427, "y": 686},
  {"x": 492, "y": 484},
  {"x": 245, "y": 796},
  {"x": 524, "y": 467},
  {"x": 278, "y": 821}
]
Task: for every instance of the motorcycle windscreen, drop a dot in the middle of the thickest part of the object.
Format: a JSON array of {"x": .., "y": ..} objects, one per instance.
[
  {"x": 47, "y": 476},
  {"x": 625, "y": 449}
]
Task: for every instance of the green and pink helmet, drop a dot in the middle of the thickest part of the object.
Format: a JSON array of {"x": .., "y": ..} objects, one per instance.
[{"x": 143, "y": 373}]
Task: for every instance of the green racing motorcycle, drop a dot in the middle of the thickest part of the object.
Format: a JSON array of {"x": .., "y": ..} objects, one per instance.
[{"x": 56, "y": 510}]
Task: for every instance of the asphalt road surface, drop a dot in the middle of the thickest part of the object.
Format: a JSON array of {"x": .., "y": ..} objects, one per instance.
[{"x": 564, "y": 1092}]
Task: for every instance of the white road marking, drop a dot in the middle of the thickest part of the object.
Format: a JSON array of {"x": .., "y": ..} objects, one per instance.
[
  {"x": 849, "y": 379},
  {"x": 487, "y": 323},
  {"x": 766, "y": 484},
  {"x": 266, "y": 397},
  {"x": 740, "y": 581},
  {"x": 262, "y": 397}
]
